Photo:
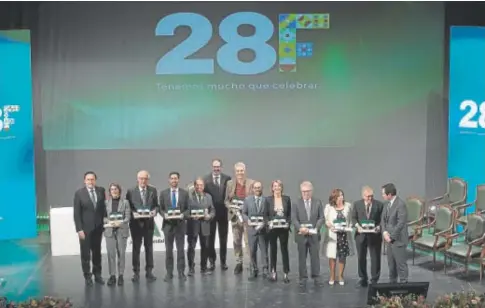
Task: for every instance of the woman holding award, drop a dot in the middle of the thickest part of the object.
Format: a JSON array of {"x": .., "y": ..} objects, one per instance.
[
  {"x": 279, "y": 210},
  {"x": 337, "y": 243},
  {"x": 116, "y": 232}
]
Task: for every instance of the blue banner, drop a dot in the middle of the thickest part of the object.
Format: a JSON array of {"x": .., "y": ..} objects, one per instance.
[
  {"x": 466, "y": 144},
  {"x": 17, "y": 177}
]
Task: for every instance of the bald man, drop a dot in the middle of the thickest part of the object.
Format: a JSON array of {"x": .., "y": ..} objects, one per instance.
[{"x": 143, "y": 196}]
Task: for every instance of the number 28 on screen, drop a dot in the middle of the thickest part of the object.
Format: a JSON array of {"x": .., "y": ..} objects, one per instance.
[
  {"x": 265, "y": 56},
  {"x": 474, "y": 116}
]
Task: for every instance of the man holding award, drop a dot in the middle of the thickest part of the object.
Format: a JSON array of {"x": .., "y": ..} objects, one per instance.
[
  {"x": 174, "y": 207},
  {"x": 308, "y": 218},
  {"x": 255, "y": 214},
  {"x": 237, "y": 190},
  {"x": 366, "y": 217},
  {"x": 199, "y": 225},
  {"x": 143, "y": 204}
]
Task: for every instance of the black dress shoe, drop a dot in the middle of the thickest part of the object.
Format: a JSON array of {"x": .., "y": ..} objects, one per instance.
[
  {"x": 150, "y": 277},
  {"x": 120, "y": 280},
  {"x": 168, "y": 277},
  {"x": 98, "y": 280},
  {"x": 191, "y": 272},
  {"x": 112, "y": 281},
  {"x": 212, "y": 265},
  {"x": 136, "y": 277},
  {"x": 224, "y": 267},
  {"x": 303, "y": 282},
  {"x": 362, "y": 284},
  {"x": 238, "y": 269},
  {"x": 89, "y": 281},
  {"x": 182, "y": 276}
]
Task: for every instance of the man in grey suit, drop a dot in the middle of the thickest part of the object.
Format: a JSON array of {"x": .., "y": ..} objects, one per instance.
[
  {"x": 116, "y": 234},
  {"x": 395, "y": 233},
  {"x": 199, "y": 227},
  {"x": 308, "y": 218},
  {"x": 174, "y": 198},
  {"x": 255, "y": 205}
]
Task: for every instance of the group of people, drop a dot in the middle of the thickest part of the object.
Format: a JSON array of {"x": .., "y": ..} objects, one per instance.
[{"x": 217, "y": 196}]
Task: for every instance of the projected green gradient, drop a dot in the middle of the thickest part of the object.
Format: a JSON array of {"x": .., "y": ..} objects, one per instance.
[{"x": 362, "y": 69}]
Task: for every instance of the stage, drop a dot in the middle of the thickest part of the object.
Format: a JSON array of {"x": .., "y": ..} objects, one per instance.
[{"x": 29, "y": 270}]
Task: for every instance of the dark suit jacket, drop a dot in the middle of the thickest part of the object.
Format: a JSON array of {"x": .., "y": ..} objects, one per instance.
[
  {"x": 204, "y": 225},
  {"x": 88, "y": 216},
  {"x": 249, "y": 209},
  {"x": 218, "y": 194},
  {"x": 359, "y": 213},
  {"x": 286, "y": 207},
  {"x": 299, "y": 217},
  {"x": 133, "y": 195},
  {"x": 394, "y": 220},
  {"x": 182, "y": 205}
]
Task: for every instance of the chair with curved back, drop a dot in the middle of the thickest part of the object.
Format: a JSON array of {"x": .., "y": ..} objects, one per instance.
[
  {"x": 442, "y": 228},
  {"x": 455, "y": 196},
  {"x": 479, "y": 203},
  {"x": 471, "y": 248}
]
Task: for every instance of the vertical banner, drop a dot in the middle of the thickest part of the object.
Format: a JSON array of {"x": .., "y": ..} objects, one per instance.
[
  {"x": 17, "y": 178},
  {"x": 466, "y": 144}
]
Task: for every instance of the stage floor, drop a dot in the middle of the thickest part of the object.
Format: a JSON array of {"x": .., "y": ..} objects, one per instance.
[{"x": 29, "y": 270}]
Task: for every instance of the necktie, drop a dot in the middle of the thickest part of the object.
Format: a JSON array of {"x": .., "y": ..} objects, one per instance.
[
  {"x": 144, "y": 196},
  {"x": 307, "y": 207},
  {"x": 367, "y": 210},
  {"x": 216, "y": 178},
  {"x": 174, "y": 199},
  {"x": 92, "y": 195},
  {"x": 258, "y": 204},
  {"x": 199, "y": 197}
]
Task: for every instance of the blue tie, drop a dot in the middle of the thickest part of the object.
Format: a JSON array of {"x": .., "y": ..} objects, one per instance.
[{"x": 174, "y": 200}]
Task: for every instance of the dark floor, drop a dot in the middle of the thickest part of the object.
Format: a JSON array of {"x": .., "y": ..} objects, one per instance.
[{"x": 29, "y": 270}]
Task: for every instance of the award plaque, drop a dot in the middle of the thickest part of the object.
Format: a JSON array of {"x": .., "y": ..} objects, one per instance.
[
  {"x": 174, "y": 214},
  {"x": 198, "y": 213},
  {"x": 141, "y": 212},
  {"x": 278, "y": 223},
  {"x": 340, "y": 225},
  {"x": 236, "y": 208},
  {"x": 368, "y": 226},
  {"x": 256, "y": 221},
  {"x": 114, "y": 219},
  {"x": 311, "y": 229}
]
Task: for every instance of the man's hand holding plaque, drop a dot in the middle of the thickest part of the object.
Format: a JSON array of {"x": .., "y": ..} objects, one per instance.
[
  {"x": 368, "y": 226},
  {"x": 340, "y": 225},
  {"x": 174, "y": 214},
  {"x": 114, "y": 220},
  {"x": 307, "y": 229},
  {"x": 142, "y": 213}
]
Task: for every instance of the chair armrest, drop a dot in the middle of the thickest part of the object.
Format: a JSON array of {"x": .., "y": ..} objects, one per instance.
[
  {"x": 438, "y": 198},
  {"x": 478, "y": 240},
  {"x": 454, "y": 235},
  {"x": 444, "y": 232},
  {"x": 426, "y": 225},
  {"x": 413, "y": 222},
  {"x": 463, "y": 206}
]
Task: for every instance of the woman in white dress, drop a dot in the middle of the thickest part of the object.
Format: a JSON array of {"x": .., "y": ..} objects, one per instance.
[{"x": 336, "y": 244}]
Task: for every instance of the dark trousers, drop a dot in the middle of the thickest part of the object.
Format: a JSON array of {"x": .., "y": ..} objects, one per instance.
[
  {"x": 222, "y": 223},
  {"x": 282, "y": 235},
  {"x": 204, "y": 245},
  {"x": 306, "y": 247},
  {"x": 174, "y": 233},
  {"x": 373, "y": 244},
  {"x": 142, "y": 232},
  {"x": 90, "y": 249}
]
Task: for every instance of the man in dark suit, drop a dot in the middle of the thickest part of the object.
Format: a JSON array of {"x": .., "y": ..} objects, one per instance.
[
  {"x": 140, "y": 197},
  {"x": 368, "y": 209},
  {"x": 308, "y": 218},
  {"x": 89, "y": 211},
  {"x": 215, "y": 185},
  {"x": 255, "y": 205},
  {"x": 199, "y": 227},
  {"x": 395, "y": 233},
  {"x": 174, "y": 198}
]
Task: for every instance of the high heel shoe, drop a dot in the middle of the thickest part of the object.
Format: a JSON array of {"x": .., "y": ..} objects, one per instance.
[
  {"x": 286, "y": 279},
  {"x": 273, "y": 277}
]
